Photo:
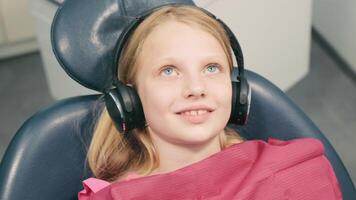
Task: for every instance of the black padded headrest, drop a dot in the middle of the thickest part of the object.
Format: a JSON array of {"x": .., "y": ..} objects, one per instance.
[{"x": 84, "y": 35}]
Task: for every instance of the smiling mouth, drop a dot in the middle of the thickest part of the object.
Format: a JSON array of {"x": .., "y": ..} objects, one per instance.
[
  {"x": 195, "y": 116},
  {"x": 193, "y": 112}
]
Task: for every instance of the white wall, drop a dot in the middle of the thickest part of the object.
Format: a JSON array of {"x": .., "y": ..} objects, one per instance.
[
  {"x": 17, "y": 30},
  {"x": 274, "y": 35},
  {"x": 2, "y": 29},
  {"x": 18, "y": 23},
  {"x": 336, "y": 22}
]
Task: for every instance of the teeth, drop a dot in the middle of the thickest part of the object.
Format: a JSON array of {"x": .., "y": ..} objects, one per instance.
[
  {"x": 201, "y": 112},
  {"x": 194, "y": 112}
]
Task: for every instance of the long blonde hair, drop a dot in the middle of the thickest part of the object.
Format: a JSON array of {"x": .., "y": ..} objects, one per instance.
[{"x": 112, "y": 154}]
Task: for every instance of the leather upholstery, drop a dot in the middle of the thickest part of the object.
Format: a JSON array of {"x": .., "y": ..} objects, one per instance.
[{"x": 46, "y": 159}]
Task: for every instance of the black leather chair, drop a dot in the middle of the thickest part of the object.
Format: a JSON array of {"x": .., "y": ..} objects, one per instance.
[{"x": 47, "y": 157}]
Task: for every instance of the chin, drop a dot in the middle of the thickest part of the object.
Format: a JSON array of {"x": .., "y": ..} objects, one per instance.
[{"x": 196, "y": 137}]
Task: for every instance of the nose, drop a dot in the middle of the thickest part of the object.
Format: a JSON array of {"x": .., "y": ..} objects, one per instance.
[{"x": 195, "y": 87}]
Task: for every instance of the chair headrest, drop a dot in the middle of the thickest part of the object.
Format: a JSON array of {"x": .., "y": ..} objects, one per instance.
[{"x": 84, "y": 36}]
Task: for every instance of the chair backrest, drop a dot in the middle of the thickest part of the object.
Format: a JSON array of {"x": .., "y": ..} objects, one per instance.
[{"x": 47, "y": 157}]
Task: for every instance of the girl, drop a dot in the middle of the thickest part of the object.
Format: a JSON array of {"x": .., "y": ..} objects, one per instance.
[{"x": 179, "y": 61}]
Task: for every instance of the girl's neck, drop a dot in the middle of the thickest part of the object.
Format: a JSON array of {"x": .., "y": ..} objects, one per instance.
[{"x": 176, "y": 156}]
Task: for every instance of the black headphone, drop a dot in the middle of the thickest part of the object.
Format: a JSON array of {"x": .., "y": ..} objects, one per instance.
[{"x": 124, "y": 105}]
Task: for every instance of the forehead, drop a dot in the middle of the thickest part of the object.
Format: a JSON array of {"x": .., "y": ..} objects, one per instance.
[{"x": 173, "y": 37}]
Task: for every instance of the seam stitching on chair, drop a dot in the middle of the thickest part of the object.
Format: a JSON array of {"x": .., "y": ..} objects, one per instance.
[{"x": 123, "y": 8}]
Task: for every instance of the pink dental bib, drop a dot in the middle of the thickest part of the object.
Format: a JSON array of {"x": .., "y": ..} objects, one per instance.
[{"x": 295, "y": 169}]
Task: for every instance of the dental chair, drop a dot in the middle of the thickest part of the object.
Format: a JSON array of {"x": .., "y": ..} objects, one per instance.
[{"x": 46, "y": 159}]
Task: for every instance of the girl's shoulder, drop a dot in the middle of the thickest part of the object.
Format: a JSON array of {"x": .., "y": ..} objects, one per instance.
[
  {"x": 279, "y": 154},
  {"x": 94, "y": 185},
  {"x": 300, "y": 148},
  {"x": 311, "y": 146}
]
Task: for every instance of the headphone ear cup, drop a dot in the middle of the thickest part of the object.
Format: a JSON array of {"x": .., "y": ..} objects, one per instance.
[
  {"x": 245, "y": 100},
  {"x": 114, "y": 106},
  {"x": 241, "y": 98},
  {"x": 125, "y": 108},
  {"x": 138, "y": 116},
  {"x": 234, "y": 103}
]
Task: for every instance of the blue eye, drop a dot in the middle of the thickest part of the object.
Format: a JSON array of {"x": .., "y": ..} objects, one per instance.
[
  {"x": 168, "y": 71},
  {"x": 212, "y": 69}
]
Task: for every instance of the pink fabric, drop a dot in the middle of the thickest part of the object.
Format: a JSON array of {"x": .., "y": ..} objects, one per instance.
[
  {"x": 93, "y": 185},
  {"x": 295, "y": 169}
]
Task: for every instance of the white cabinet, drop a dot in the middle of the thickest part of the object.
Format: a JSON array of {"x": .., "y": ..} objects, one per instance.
[{"x": 17, "y": 31}]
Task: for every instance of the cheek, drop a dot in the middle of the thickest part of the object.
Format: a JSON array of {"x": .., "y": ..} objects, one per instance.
[
  {"x": 224, "y": 98},
  {"x": 222, "y": 91},
  {"x": 155, "y": 100}
]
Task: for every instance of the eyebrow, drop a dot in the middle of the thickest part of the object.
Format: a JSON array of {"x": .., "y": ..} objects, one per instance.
[{"x": 175, "y": 59}]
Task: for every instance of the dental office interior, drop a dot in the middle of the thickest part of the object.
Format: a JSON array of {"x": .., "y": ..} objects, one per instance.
[{"x": 306, "y": 48}]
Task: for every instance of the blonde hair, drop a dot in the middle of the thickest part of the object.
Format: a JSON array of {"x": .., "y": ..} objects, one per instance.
[{"x": 112, "y": 154}]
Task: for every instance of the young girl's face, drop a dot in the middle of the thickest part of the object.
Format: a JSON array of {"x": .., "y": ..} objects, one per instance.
[{"x": 183, "y": 81}]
